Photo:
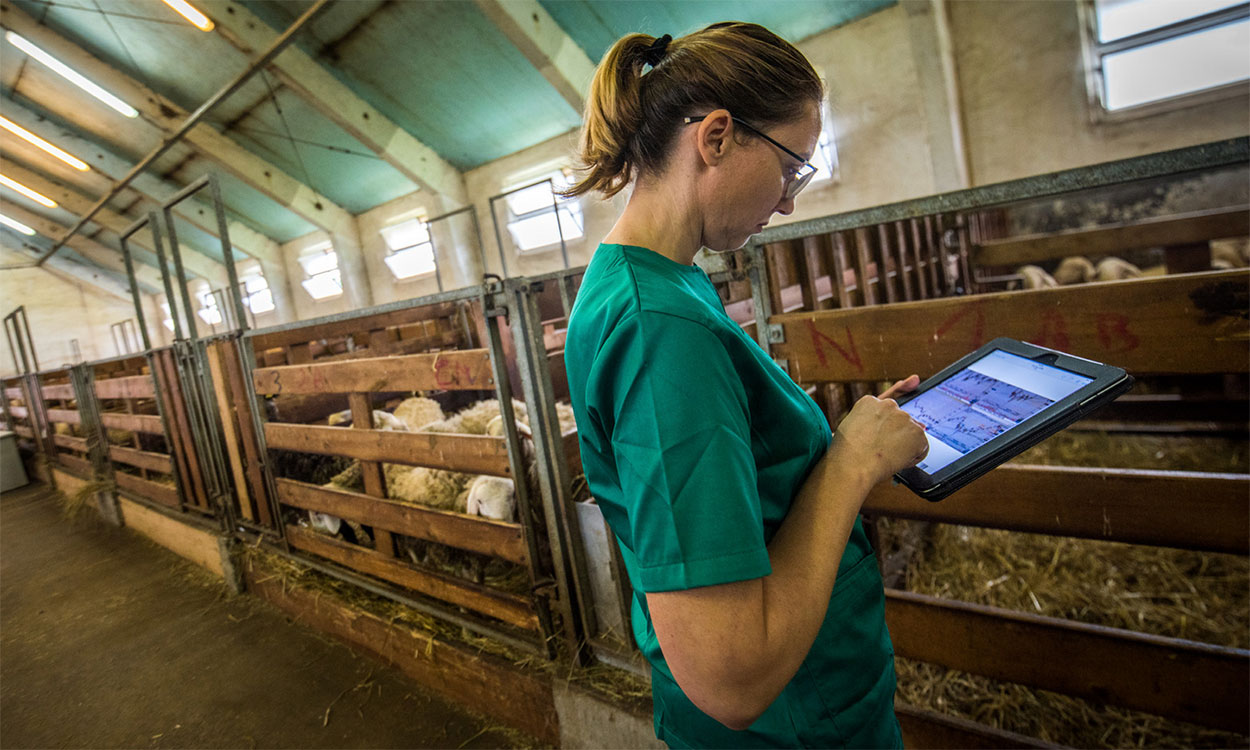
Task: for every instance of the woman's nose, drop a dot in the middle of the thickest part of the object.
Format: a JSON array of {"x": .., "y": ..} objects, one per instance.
[{"x": 785, "y": 207}]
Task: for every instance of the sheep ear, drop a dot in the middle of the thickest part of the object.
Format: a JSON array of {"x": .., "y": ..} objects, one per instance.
[{"x": 473, "y": 507}]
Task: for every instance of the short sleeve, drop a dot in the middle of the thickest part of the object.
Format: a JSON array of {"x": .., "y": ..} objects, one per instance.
[{"x": 669, "y": 399}]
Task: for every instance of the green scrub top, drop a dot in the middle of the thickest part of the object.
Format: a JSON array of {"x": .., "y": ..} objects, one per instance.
[{"x": 694, "y": 444}]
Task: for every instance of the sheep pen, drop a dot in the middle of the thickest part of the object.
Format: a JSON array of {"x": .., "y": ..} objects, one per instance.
[
  {"x": 440, "y": 489},
  {"x": 1198, "y": 596}
]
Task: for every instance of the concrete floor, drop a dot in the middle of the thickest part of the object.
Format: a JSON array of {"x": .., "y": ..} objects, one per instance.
[{"x": 107, "y": 640}]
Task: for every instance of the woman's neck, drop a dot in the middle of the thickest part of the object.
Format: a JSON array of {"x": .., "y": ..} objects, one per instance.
[{"x": 661, "y": 220}]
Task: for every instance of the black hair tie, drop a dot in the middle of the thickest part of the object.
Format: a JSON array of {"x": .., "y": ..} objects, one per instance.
[{"x": 653, "y": 54}]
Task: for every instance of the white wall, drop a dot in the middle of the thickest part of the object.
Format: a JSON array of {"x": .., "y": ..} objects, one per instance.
[{"x": 60, "y": 308}]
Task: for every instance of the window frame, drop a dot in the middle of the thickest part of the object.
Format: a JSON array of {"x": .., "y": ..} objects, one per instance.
[
  {"x": 326, "y": 247},
  {"x": 572, "y": 205},
  {"x": 1093, "y": 51},
  {"x": 396, "y": 223}
]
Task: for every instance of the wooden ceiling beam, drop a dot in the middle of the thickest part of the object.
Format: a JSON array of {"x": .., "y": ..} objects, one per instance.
[
  {"x": 168, "y": 117},
  {"x": 156, "y": 190},
  {"x": 71, "y": 200},
  {"x": 298, "y": 71},
  {"x": 547, "y": 46},
  {"x": 83, "y": 245}
]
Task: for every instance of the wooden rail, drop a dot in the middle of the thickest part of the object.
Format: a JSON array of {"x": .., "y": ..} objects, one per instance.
[
  {"x": 475, "y": 534},
  {"x": 1202, "y": 511},
  {"x": 1194, "y": 323},
  {"x": 141, "y": 459},
  {"x": 65, "y": 416},
  {"x": 510, "y": 608},
  {"x": 58, "y": 391},
  {"x": 464, "y": 370},
  {"x": 135, "y": 386},
  {"x": 444, "y": 370},
  {"x": 71, "y": 442},
  {"x": 80, "y": 467},
  {"x": 1195, "y": 682},
  {"x": 19, "y": 411},
  {"x": 929, "y": 729},
  {"x": 149, "y": 423},
  {"x": 1181, "y": 229},
  {"x": 323, "y": 331},
  {"x": 154, "y": 491},
  {"x": 471, "y": 454}
]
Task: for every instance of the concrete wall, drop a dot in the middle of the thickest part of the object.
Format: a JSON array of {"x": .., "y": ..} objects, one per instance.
[{"x": 60, "y": 308}]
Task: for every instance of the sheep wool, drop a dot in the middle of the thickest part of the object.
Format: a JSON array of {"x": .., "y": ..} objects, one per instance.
[{"x": 416, "y": 412}]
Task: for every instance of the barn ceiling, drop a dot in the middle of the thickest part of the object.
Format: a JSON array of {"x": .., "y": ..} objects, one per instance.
[{"x": 449, "y": 80}]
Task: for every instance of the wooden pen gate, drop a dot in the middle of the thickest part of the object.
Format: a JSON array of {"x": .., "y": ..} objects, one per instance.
[
  {"x": 1185, "y": 324},
  {"x": 63, "y": 429},
  {"x": 19, "y": 415},
  {"x": 365, "y": 362},
  {"x": 151, "y": 453}
]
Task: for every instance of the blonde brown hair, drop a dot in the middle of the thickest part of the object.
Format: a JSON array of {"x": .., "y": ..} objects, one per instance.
[{"x": 633, "y": 113}]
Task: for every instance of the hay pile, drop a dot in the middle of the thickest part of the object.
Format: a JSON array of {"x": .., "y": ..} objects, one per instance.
[
  {"x": 1176, "y": 593},
  {"x": 79, "y": 506},
  {"x": 601, "y": 678}
]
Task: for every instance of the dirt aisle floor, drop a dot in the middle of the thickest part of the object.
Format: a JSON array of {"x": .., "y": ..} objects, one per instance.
[{"x": 109, "y": 641}]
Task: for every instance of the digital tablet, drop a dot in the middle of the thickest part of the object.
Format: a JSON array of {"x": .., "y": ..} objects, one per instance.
[{"x": 996, "y": 402}]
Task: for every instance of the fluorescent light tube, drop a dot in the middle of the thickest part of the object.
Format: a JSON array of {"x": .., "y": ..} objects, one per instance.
[
  {"x": 197, "y": 19},
  {"x": 15, "y": 224},
  {"x": 70, "y": 74},
  {"x": 39, "y": 198},
  {"x": 35, "y": 140}
]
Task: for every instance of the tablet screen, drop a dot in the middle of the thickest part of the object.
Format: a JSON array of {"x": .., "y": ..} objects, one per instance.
[{"x": 985, "y": 399}]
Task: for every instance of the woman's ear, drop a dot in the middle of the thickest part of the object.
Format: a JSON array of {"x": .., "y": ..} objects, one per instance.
[{"x": 714, "y": 134}]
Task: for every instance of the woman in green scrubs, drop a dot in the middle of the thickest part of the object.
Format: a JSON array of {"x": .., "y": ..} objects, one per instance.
[{"x": 757, "y": 597}]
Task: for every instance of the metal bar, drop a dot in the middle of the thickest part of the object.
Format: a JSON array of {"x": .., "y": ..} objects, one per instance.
[
  {"x": 494, "y": 217},
  {"x": 29, "y": 338},
  {"x": 192, "y": 120},
  {"x": 1227, "y": 153},
  {"x": 1172, "y": 30},
  {"x": 219, "y": 207},
  {"x": 756, "y": 268},
  {"x": 135, "y": 292},
  {"x": 17, "y": 365},
  {"x": 455, "y": 295},
  {"x": 564, "y": 535},
  {"x": 525, "y": 511}
]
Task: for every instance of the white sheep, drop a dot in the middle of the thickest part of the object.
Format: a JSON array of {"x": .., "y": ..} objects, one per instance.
[
  {"x": 1115, "y": 269},
  {"x": 1033, "y": 277},
  {"x": 381, "y": 420},
  {"x": 418, "y": 411},
  {"x": 1075, "y": 270},
  {"x": 492, "y": 497}
]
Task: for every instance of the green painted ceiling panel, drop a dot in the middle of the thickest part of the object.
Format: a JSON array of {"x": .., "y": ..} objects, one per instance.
[
  {"x": 445, "y": 73},
  {"x": 148, "y": 41},
  {"x": 308, "y": 146},
  {"x": 596, "y": 24},
  {"x": 264, "y": 214}
]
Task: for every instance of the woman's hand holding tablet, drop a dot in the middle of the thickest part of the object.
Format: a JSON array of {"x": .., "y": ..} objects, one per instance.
[{"x": 997, "y": 402}]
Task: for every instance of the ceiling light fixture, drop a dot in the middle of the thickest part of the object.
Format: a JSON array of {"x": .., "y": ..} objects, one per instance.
[
  {"x": 17, "y": 225},
  {"x": 35, "y": 140},
  {"x": 70, "y": 74},
  {"x": 197, "y": 19},
  {"x": 39, "y": 198}
]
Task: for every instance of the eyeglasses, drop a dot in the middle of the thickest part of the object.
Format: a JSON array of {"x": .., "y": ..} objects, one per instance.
[{"x": 800, "y": 178}]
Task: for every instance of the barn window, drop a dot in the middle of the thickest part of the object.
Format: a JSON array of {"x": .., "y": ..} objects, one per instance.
[
  {"x": 255, "y": 289},
  {"x": 210, "y": 311},
  {"x": 1145, "y": 56},
  {"x": 410, "y": 249},
  {"x": 538, "y": 218},
  {"x": 321, "y": 264}
]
